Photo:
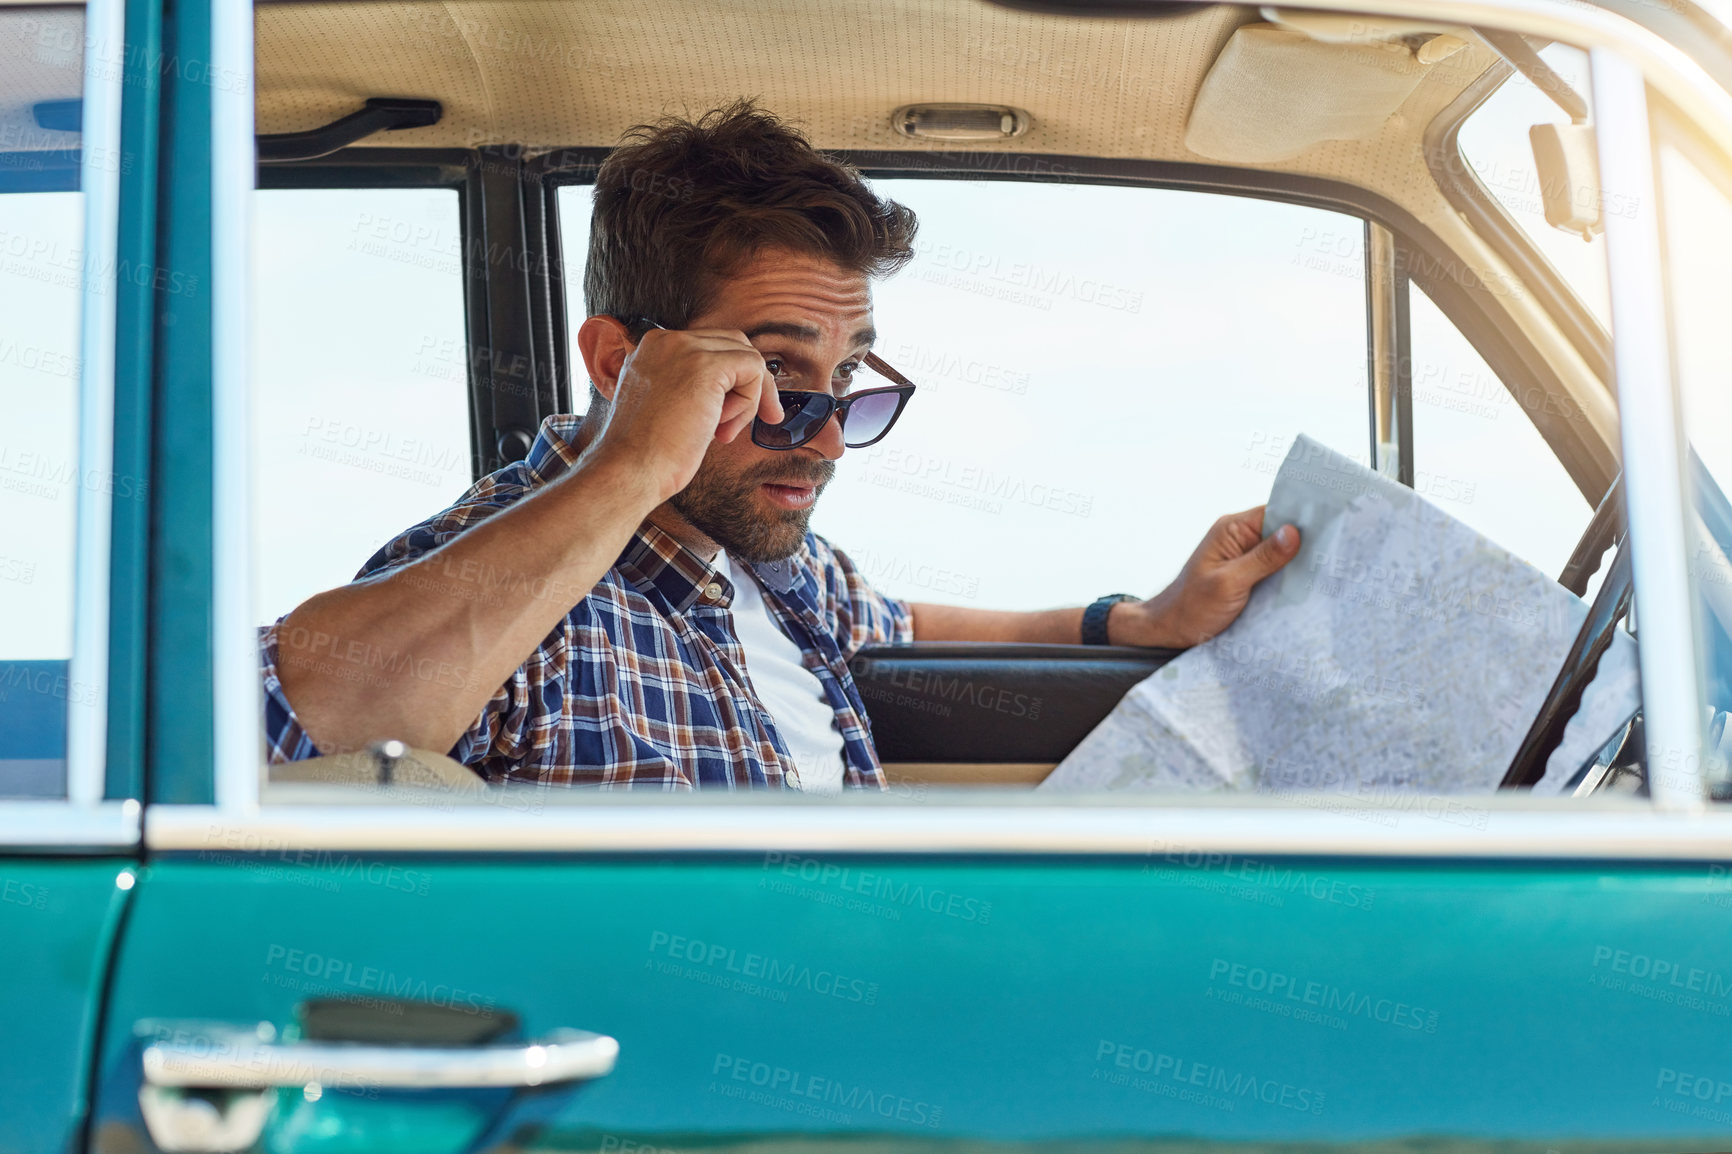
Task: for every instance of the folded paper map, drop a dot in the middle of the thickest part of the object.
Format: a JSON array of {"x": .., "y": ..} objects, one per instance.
[{"x": 1399, "y": 651}]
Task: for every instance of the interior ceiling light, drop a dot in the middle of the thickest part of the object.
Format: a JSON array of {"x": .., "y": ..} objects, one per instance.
[{"x": 973, "y": 123}]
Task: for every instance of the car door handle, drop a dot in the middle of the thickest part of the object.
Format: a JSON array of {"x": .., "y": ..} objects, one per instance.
[{"x": 239, "y": 1058}]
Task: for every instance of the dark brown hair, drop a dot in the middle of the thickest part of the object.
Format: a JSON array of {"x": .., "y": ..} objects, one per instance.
[{"x": 680, "y": 204}]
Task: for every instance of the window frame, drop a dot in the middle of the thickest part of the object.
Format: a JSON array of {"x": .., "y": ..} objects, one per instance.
[
  {"x": 601, "y": 826},
  {"x": 99, "y": 811}
]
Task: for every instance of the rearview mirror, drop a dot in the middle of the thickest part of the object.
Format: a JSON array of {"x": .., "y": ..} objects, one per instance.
[{"x": 1568, "y": 166}]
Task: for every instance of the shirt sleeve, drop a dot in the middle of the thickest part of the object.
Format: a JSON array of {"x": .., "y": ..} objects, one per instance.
[
  {"x": 864, "y": 616},
  {"x": 285, "y": 740}
]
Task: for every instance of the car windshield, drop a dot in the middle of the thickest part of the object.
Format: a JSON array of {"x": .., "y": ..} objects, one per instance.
[{"x": 1698, "y": 202}]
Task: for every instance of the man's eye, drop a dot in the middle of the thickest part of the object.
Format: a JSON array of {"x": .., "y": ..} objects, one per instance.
[
  {"x": 774, "y": 366},
  {"x": 847, "y": 371}
]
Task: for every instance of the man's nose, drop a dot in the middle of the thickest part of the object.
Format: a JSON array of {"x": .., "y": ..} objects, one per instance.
[{"x": 829, "y": 442}]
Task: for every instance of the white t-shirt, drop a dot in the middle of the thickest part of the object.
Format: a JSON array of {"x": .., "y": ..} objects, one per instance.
[{"x": 792, "y": 693}]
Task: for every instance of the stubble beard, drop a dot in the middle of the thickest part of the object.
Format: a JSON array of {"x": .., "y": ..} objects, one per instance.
[{"x": 724, "y": 509}]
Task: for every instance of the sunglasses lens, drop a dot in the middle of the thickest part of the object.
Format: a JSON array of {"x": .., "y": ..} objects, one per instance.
[
  {"x": 869, "y": 417},
  {"x": 803, "y": 414}
]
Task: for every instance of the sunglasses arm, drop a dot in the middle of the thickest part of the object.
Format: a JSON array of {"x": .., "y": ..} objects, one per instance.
[{"x": 876, "y": 364}]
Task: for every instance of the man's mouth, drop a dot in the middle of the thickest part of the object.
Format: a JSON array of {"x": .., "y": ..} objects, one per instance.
[{"x": 790, "y": 496}]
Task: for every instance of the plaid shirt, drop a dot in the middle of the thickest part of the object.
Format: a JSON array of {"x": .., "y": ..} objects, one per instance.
[{"x": 644, "y": 682}]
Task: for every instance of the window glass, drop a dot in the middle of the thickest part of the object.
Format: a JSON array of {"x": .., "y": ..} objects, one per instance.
[
  {"x": 362, "y": 400},
  {"x": 1102, "y": 372},
  {"x": 1476, "y": 452},
  {"x": 1698, "y": 251},
  {"x": 1495, "y": 143},
  {"x": 41, "y": 262}
]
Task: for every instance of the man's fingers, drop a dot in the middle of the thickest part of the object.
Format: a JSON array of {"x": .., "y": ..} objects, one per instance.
[
  {"x": 1270, "y": 554},
  {"x": 752, "y": 396},
  {"x": 769, "y": 401}
]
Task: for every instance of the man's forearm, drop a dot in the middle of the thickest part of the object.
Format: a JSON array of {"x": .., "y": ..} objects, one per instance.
[
  {"x": 415, "y": 655},
  {"x": 1042, "y": 626}
]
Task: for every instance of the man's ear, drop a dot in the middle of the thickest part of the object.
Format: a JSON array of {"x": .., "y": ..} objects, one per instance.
[{"x": 604, "y": 344}]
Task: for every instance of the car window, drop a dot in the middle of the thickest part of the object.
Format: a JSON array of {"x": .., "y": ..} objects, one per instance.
[
  {"x": 1698, "y": 227},
  {"x": 41, "y": 262},
  {"x": 1495, "y": 143},
  {"x": 1102, "y": 372},
  {"x": 1476, "y": 452},
  {"x": 362, "y": 394}
]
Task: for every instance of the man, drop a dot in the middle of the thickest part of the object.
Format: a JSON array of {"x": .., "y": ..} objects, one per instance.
[{"x": 639, "y": 602}]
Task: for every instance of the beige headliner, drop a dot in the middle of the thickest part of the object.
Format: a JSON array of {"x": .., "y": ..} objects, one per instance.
[{"x": 551, "y": 73}]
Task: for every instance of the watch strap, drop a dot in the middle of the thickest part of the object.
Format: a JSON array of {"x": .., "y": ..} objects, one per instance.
[{"x": 1094, "y": 619}]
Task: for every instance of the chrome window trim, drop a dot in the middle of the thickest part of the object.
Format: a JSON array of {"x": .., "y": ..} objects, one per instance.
[
  {"x": 1468, "y": 828},
  {"x": 99, "y": 182},
  {"x": 55, "y": 827},
  {"x": 1651, "y": 432},
  {"x": 238, "y": 695}
]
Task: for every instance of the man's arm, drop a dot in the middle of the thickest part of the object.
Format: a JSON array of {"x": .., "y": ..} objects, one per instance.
[
  {"x": 1207, "y": 596},
  {"x": 433, "y": 650}
]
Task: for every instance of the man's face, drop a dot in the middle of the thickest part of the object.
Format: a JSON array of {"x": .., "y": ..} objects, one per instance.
[{"x": 813, "y": 322}]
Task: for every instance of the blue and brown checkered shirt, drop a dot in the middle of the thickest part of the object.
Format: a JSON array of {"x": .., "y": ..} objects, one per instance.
[{"x": 644, "y": 682}]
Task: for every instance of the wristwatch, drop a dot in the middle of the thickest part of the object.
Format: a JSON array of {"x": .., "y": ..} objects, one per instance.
[{"x": 1094, "y": 622}]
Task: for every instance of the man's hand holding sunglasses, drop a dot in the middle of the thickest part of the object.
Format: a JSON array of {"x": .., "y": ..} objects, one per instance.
[{"x": 677, "y": 392}]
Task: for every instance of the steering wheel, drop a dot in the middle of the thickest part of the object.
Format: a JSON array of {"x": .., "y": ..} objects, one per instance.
[{"x": 1592, "y": 639}]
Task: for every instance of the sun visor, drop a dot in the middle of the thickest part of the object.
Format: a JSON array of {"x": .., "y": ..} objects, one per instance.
[{"x": 1276, "y": 90}]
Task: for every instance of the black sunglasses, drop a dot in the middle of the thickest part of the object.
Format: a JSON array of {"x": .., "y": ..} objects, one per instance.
[{"x": 867, "y": 415}]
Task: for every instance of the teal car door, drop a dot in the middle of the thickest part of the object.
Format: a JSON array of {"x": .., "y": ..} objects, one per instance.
[
  {"x": 368, "y": 961},
  {"x": 69, "y": 814},
  {"x": 795, "y": 997}
]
